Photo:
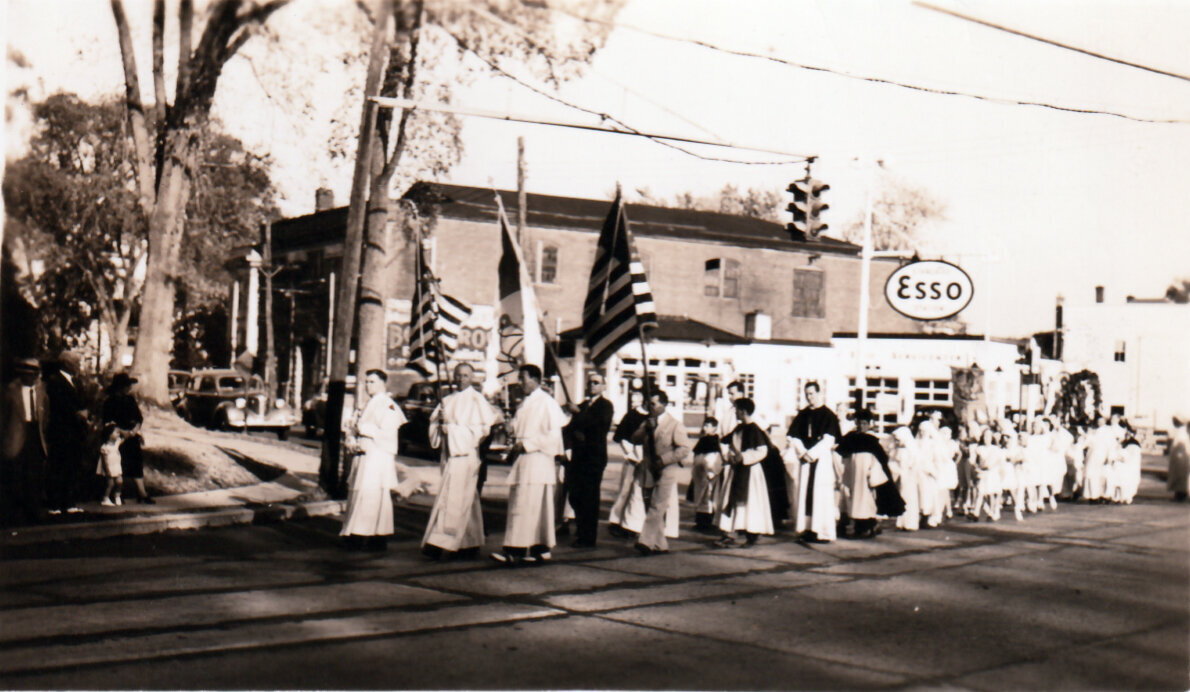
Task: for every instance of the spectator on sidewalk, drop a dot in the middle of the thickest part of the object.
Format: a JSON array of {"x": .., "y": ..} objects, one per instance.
[
  {"x": 458, "y": 426},
  {"x": 368, "y": 521},
  {"x": 110, "y": 466},
  {"x": 66, "y": 435},
  {"x": 121, "y": 411},
  {"x": 22, "y": 476},
  {"x": 537, "y": 427}
]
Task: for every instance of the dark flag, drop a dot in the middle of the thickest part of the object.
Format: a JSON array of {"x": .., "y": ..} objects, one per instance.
[
  {"x": 436, "y": 320},
  {"x": 619, "y": 303}
]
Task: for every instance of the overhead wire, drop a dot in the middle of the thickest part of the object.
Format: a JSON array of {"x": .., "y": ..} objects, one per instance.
[
  {"x": 876, "y": 80},
  {"x": 607, "y": 117}
]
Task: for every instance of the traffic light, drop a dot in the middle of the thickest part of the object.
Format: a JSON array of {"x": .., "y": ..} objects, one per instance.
[{"x": 807, "y": 208}]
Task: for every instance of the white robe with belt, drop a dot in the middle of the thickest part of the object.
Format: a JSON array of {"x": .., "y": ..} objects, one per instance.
[
  {"x": 824, "y": 516},
  {"x": 374, "y": 475},
  {"x": 458, "y": 425},
  {"x": 538, "y": 428}
]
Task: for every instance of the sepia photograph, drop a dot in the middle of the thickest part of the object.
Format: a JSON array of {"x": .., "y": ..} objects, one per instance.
[{"x": 595, "y": 345}]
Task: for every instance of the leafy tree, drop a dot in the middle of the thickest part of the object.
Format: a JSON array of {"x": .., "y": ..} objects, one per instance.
[
  {"x": 72, "y": 199},
  {"x": 1178, "y": 292},
  {"x": 759, "y": 203},
  {"x": 167, "y": 154},
  {"x": 542, "y": 41},
  {"x": 898, "y": 213}
]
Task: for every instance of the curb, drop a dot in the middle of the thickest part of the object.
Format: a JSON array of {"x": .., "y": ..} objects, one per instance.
[{"x": 176, "y": 521}]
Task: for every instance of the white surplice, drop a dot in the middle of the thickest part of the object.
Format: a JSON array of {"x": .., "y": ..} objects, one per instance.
[
  {"x": 374, "y": 474},
  {"x": 457, "y": 426}
]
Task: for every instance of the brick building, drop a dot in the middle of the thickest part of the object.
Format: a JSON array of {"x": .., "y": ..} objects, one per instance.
[{"x": 738, "y": 297}]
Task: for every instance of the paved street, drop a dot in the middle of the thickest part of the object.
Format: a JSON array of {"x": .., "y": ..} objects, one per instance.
[{"x": 1089, "y": 597}]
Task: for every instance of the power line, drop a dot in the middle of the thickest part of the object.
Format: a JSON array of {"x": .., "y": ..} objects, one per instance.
[
  {"x": 875, "y": 80},
  {"x": 1076, "y": 49},
  {"x": 628, "y": 129},
  {"x": 409, "y": 104}
]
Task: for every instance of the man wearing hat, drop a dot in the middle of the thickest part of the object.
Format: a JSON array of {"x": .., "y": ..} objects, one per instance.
[
  {"x": 868, "y": 491},
  {"x": 66, "y": 435},
  {"x": 121, "y": 410},
  {"x": 24, "y": 447}
]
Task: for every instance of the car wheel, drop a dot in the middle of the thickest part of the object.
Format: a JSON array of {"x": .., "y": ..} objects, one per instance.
[{"x": 282, "y": 434}]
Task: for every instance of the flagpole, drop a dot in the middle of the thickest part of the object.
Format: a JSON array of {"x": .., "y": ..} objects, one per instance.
[
  {"x": 540, "y": 324},
  {"x": 421, "y": 327}
]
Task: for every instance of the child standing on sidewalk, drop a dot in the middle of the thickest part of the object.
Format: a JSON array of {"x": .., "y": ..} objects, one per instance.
[{"x": 110, "y": 467}]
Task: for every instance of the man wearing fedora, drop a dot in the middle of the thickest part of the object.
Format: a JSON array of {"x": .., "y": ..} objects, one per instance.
[
  {"x": 22, "y": 469},
  {"x": 121, "y": 410}
]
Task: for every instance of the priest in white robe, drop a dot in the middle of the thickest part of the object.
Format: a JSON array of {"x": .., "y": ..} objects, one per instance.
[
  {"x": 457, "y": 427},
  {"x": 369, "y": 518},
  {"x": 537, "y": 428}
]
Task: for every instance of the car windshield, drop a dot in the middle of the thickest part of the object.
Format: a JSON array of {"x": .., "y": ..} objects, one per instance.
[{"x": 231, "y": 382}]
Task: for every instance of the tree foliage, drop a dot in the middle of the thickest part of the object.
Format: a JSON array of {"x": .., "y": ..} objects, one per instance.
[
  {"x": 1178, "y": 292},
  {"x": 899, "y": 212},
  {"x": 758, "y": 203},
  {"x": 72, "y": 206}
]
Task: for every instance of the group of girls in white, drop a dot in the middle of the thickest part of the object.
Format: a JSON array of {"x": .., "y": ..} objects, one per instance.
[{"x": 995, "y": 468}]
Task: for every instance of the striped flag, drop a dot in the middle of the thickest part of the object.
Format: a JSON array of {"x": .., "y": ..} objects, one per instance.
[
  {"x": 518, "y": 325},
  {"x": 436, "y": 320},
  {"x": 619, "y": 303}
]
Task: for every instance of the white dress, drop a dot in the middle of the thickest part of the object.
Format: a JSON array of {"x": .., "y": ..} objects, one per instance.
[
  {"x": 374, "y": 474},
  {"x": 538, "y": 427}
]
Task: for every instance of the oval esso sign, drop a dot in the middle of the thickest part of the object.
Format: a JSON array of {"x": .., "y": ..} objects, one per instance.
[{"x": 929, "y": 290}]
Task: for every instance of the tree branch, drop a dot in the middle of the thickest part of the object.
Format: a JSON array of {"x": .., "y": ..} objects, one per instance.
[
  {"x": 136, "y": 112},
  {"x": 185, "y": 38},
  {"x": 159, "y": 63}
]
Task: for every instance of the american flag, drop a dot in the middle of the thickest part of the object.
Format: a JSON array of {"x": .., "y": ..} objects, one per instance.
[
  {"x": 619, "y": 303},
  {"x": 436, "y": 320}
]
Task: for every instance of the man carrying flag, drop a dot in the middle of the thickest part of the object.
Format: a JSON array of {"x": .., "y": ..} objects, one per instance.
[{"x": 618, "y": 307}]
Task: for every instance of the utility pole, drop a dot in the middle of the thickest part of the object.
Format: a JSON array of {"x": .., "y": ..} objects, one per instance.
[
  {"x": 329, "y": 470},
  {"x": 270, "y": 349},
  {"x": 522, "y": 212}
]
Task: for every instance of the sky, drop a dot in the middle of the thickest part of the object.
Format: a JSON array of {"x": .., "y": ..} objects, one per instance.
[{"x": 1038, "y": 202}]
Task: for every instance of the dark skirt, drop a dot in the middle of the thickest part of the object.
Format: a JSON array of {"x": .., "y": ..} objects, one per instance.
[{"x": 132, "y": 457}]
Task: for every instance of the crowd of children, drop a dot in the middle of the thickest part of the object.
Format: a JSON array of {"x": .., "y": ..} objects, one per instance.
[
  {"x": 977, "y": 472},
  {"x": 1026, "y": 468}
]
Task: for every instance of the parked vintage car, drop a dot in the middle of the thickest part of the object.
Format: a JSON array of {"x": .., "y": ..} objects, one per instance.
[
  {"x": 178, "y": 382},
  {"x": 227, "y": 399},
  {"x": 314, "y": 409}
]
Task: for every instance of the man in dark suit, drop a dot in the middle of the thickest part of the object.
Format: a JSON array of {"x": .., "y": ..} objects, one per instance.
[
  {"x": 587, "y": 433},
  {"x": 24, "y": 448},
  {"x": 66, "y": 435}
]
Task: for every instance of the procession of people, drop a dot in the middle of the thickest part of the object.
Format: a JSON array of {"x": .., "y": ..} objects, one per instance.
[
  {"x": 835, "y": 479},
  {"x": 823, "y": 480}
]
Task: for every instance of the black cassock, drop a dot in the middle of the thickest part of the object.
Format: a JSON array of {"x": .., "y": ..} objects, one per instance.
[
  {"x": 773, "y": 468},
  {"x": 810, "y": 426}
]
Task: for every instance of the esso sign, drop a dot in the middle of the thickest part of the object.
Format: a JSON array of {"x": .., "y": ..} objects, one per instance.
[{"x": 929, "y": 290}]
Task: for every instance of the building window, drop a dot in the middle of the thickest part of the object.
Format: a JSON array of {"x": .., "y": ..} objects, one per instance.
[
  {"x": 1120, "y": 351},
  {"x": 749, "y": 383},
  {"x": 549, "y": 264},
  {"x": 710, "y": 278},
  {"x": 879, "y": 395},
  {"x": 931, "y": 392},
  {"x": 721, "y": 277},
  {"x": 808, "y": 299}
]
